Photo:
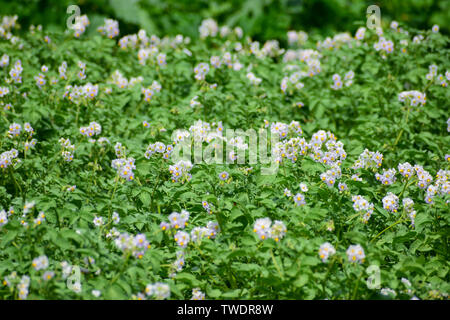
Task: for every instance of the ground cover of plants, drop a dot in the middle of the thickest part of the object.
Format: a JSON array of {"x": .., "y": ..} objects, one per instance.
[{"x": 96, "y": 206}]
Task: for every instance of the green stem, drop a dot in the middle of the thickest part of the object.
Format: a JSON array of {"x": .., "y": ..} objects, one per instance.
[
  {"x": 113, "y": 280},
  {"x": 154, "y": 188},
  {"x": 356, "y": 286},
  {"x": 276, "y": 265},
  {"x": 328, "y": 272},
  {"x": 16, "y": 185},
  {"x": 78, "y": 112},
  {"x": 401, "y": 131},
  {"x": 400, "y": 220},
  {"x": 112, "y": 197}
]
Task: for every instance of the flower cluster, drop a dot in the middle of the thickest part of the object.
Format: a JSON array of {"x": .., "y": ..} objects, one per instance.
[
  {"x": 40, "y": 78},
  {"x": 202, "y": 132},
  {"x": 141, "y": 40},
  {"x": 355, "y": 253},
  {"x": 334, "y": 154},
  {"x": 176, "y": 220},
  {"x": 3, "y": 91},
  {"x": 62, "y": 69},
  {"x": 178, "y": 264},
  {"x": 388, "y": 176},
  {"x": 23, "y": 286},
  {"x": 360, "y": 204},
  {"x": 264, "y": 229},
  {"x": 3, "y": 217},
  {"x": 359, "y": 35},
  {"x": 158, "y": 290},
  {"x": 197, "y": 294},
  {"x": 326, "y": 250},
  {"x": 432, "y": 72},
  {"x": 271, "y": 48},
  {"x": 336, "y": 42},
  {"x": 441, "y": 186},
  {"x": 158, "y": 147},
  {"x": 412, "y": 98},
  {"x": 30, "y": 145},
  {"x": 254, "y": 80},
  {"x": 310, "y": 57},
  {"x": 124, "y": 167},
  {"x": 384, "y": 45},
  {"x": 208, "y": 28},
  {"x": 295, "y": 147},
  {"x": 442, "y": 80},
  {"x": 424, "y": 177},
  {"x": 110, "y": 28},
  {"x": 330, "y": 176},
  {"x": 14, "y": 130},
  {"x": 4, "y": 60},
  {"x": 338, "y": 82},
  {"x": 93, "y": 129},
  {"x": 150, "y": 91},
  {"x": 40, "y": 218},
  {"x": 408, "y": 206},
  {"x": 433, "y": 76},
  {"x": 297, "y": 37},
  {"x": 182, "y": 238},
  {"x": 406, "y": 170},
  {"x": 76, "y": 94},
  {"x": 201, "y": 70},
  {"x": 7, "y": 158},
  {"x": 390, "y": 202},
  {"x": 68, "y": 149},
  {"x": 16, "y": 72},
  {"x": 40, "y": 263},
  {"x": 293, "y": 81},
  {"x": 226, "y": 60},
  {"x": 368, "y": 159},
  {"x": 82, "y": 72},
  {"x": 210, "y": 231},
  {"x": 388, "y": 292},
  {"x": 136, "y": 245},
  {"x": 207, "y": 206},
  {"x": 144, "y": 53},
  {"x": 79, "y": 27},
  {"x": 27, "y": 207},
  {"x": 122, "y": 82},
  {"x": 180, "y": 171}
]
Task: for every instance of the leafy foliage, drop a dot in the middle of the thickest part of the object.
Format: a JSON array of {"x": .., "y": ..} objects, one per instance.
[{"x": 235, "y": 263}]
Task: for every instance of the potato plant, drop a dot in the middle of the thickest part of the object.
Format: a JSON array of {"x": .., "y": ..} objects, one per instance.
[{"x": 97, "y": 202}]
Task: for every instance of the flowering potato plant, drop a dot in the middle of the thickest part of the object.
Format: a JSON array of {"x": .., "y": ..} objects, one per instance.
[{"x": 97, "y": 201}]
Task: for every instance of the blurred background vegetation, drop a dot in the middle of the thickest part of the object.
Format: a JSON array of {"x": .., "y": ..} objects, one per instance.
[{"x": 261, "y": 19}]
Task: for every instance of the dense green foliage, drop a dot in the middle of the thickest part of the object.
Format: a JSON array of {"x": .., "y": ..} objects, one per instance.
[
  {"x": 260, "y": 19},
  {"x": 235, "y": 263}
]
